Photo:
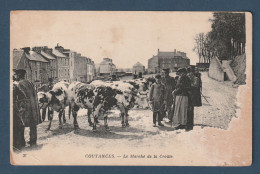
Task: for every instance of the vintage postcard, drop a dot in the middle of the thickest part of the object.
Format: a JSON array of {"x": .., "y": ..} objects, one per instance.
[{"x": 131, "y": 88}]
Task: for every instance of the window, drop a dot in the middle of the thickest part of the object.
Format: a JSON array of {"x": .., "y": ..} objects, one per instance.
[
  {"x": 25, "y": 63},
  {"x": 35, "y": 75}
]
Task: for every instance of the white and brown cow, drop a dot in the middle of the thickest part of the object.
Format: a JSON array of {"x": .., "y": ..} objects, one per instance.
[
  {"x": 111, "y": 94},
  {"x": 57, "y": 99},
  {"x": 80, "y": 95}
]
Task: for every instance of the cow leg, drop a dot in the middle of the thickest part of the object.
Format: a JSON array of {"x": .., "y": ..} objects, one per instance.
[
  {"x": 60, "y": 122},
  {"x": 50, "y": 111},
  {"x": 69, "y": 110},
  {"x": 95, "y": 125},
  {"x": 105, "y": 122},
  {"x": 63, "y": 116},
  {"x": 44, "y": 113},
  {"x": 95, "y": 115},
  {"x": 74, "y": 113},
  {"x": 50, "y": 121},
  {"x": 126, "y": 118},
  {"x": 89, "y": 118},
  {"x": 123, "y": 119}
]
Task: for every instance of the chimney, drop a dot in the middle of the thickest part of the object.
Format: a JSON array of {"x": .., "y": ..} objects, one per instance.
[
  {"x": 59, "y": 48},
  {"x": 26, "y": 50},
  {"x": 37, "y": 49}
]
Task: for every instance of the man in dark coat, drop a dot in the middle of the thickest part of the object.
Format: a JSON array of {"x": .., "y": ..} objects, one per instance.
[
  {"x": 18, "y": 125},
  {"x": 169, "y": 84},
  {"x": 194, "y": 97},
  {"x": 156, "y": 98},
  {"x": 29, "y": 112}
]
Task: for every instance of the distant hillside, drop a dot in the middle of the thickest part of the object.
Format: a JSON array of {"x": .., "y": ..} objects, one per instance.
[{"x": 239, "y": 67}]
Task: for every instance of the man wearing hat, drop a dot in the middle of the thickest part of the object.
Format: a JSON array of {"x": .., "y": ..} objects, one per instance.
[
  {"x": 169, "y": 84},
  {"x": 194, "y": 96},
  {"x": 156, "y": 99},
  {"x": 28, "y": 109}
]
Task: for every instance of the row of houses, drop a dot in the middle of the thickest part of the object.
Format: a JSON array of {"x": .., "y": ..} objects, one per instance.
[{"x": 43, "y": 64}]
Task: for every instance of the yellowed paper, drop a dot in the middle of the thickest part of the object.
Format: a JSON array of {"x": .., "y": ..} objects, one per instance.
[{"x": 222, "y": 133}]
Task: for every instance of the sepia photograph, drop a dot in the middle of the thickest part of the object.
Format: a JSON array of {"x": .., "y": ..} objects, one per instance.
[{"x": 131, "y": 88}]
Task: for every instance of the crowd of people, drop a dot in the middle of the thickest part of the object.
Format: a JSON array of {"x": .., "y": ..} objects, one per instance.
[{"x": 176, "y": 97}]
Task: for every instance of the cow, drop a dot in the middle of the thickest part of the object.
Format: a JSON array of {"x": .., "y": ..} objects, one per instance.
[
  {"x": 112, "y": 94},
  {"x": 80, "y": 95},
  {"x": 142, "y": 87},
  {"x": 56, "y": 99}
]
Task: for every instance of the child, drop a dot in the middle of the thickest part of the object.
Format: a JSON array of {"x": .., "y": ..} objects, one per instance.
[{"x": 156, "y": 98}]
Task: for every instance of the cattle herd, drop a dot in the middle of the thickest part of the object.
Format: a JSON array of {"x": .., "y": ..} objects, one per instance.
[{"x": 98, "y": 97}]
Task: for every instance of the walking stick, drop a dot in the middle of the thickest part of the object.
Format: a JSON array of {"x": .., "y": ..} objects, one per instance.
[{"x": 204, "y": 97}]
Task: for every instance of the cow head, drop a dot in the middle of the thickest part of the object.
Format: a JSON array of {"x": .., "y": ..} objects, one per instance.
[{"x": 43, "y": 99}]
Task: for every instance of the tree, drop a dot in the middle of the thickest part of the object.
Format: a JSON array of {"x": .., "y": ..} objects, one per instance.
[
  {"x": 203, "y": 48},
  {"x": 228, "y": 34}
]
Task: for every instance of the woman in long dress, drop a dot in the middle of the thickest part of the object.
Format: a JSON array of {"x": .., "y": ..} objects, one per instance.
[{"x": 181, "y": 94}]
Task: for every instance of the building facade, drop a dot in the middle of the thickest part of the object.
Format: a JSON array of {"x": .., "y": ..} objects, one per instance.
[
  {"x": 81, "y": 68},
  {"x": 106, "y": 67},
  {"x": 34, "y": 64},
  {"x": 59, "y": 64},
  {"x": 138, "y": 68},
  {"x": 63, "y": 67},
  {"x": 171, "y": 60}
]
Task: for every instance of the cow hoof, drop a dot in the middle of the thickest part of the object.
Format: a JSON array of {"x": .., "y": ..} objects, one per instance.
[
  {"x": 90, "y": 124},
  {"x": 94, "y": 130},
  {"x": 76, "y": 127},
  {"x": 127, "y": 125},
  {"x": 64, "y": 121},
  {"x": 123, "y": 125}
]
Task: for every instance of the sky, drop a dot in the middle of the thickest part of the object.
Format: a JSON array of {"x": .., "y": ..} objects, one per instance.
[{"x": 126, "y": 37}]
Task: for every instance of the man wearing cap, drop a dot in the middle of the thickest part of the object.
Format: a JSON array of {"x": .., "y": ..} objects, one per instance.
[
  {"x": 28, "y": 109},
  {"x": 169, "y": 84},
  {"x": 156, "y": 98}
]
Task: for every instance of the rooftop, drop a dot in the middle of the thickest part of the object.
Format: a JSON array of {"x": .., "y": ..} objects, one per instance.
[
  {"x": 138, "y": 64},
  {"x": 58, "y": 54},
  {"x": 33, "y": 56},
  {"x": 170, "y": 54},
  {"x": 48, "y": 56},
  {"x": 17, "y": 55}
]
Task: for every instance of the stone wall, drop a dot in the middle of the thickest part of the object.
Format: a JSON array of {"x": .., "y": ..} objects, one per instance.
[{"x": 215, "y": 70}]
